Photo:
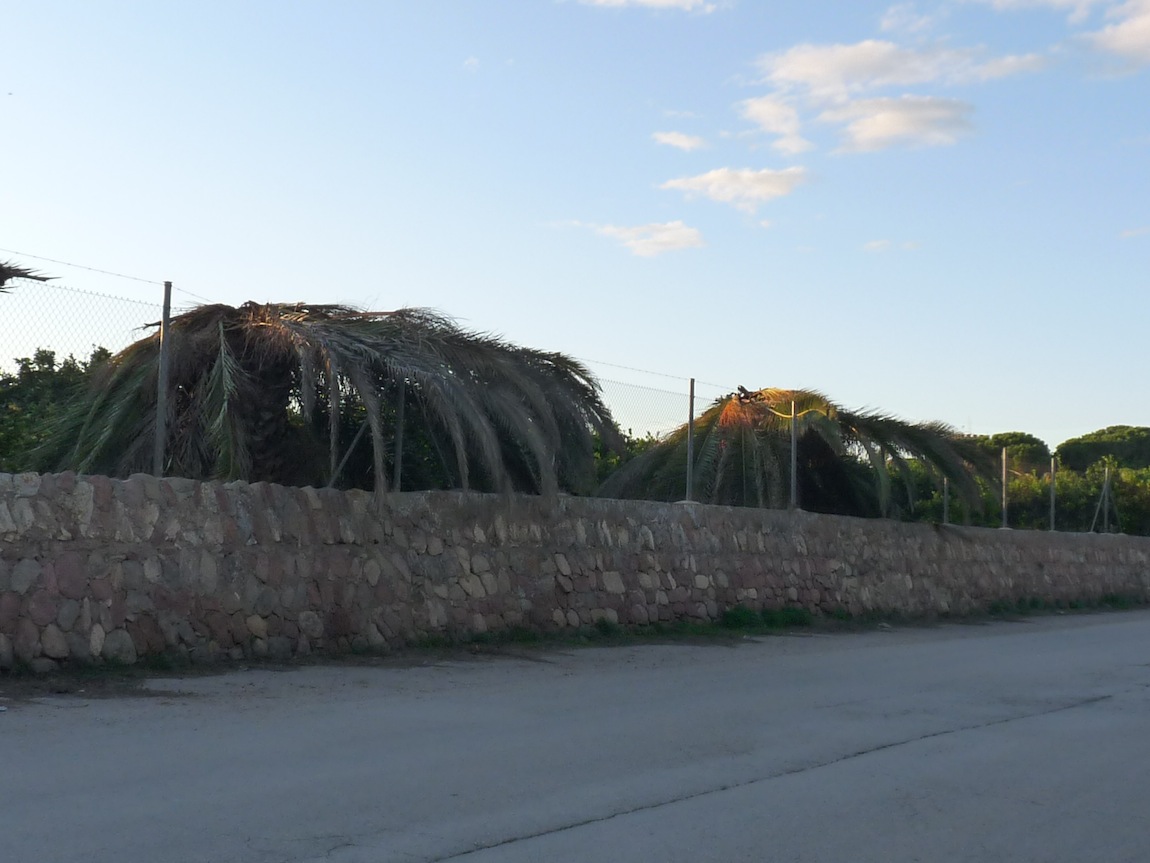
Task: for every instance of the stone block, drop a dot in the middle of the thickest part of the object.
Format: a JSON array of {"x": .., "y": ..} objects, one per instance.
[
  {"x": 42, "y": 607},
  {"x": 9, "y": 611},
  {"x": 613, "y": 582},
  {"x": 118, "y": 647},
  {"x": 473, "y": 586},
  {"x": 257, "y": 626},
  {"x": 96, "y": 640},
  {"x": 24, "y": 574},
  {"x": 279, "y": 647},
  {"x": 7, "y": 653},
  {"x": 490, "y": 583},
  {"x": 78, "y": 648},
  {"x": 53, "y": 642},
  {"x": 310, "y": 624}
]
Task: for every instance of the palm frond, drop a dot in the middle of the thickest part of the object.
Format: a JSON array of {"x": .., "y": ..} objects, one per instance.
[
  {"x": 9, "y": 271},
  {"x": 247, "y": 382},
  {"x": 743, "y": 442}
]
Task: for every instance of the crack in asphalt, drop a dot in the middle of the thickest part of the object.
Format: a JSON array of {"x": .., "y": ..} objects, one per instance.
[{"x": 749, "y": 782}]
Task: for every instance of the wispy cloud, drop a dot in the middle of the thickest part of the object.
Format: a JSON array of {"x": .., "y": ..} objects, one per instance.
[
  {"x": 835, "y": 72},
  {"x": 653, "y": 239},
  {"x": 680, "y": 140},
  {"x": 471, "y": 64},
  {"x": 744, "y": 188},
  {"x": 924, "y": 121},
  {"x": 905, "y": 18},
  {"x": 888, "y": 245},
  {"x": 842, "y": 84},
  {"x": 1129, "y": 36},
  {"x": 684, "y": 5},
  {"x": 1135, "y": 232},
  {"x": 1078, "y": 9},
  {"x": 776, "y": 117}
]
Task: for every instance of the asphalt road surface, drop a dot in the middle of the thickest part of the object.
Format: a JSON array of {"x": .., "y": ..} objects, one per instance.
[{"x": 1009, "y": 741}]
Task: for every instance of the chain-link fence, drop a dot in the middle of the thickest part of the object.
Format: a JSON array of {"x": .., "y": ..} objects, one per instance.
[
  {"x": 650, "y": 404},
  {"x": 38, "y": 315},
  {"x": 45, "y": 326}
]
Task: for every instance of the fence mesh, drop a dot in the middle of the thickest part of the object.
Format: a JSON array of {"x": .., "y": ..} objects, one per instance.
[
  {"x": 651, "y": 404},
  {"x": 67, "y": 321}
]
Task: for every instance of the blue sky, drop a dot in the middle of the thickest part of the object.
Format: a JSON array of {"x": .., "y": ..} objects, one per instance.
[{"x": 939, "y": 209}]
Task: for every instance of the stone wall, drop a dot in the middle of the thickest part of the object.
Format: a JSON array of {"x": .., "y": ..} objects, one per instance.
[{"x": 96, "y": 569}]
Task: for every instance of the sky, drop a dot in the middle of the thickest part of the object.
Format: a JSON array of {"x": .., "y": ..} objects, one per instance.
[{"x": 940, "y": 210}]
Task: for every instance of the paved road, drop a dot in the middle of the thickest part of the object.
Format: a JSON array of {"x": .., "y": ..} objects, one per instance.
[{"x": 1023, "y": 741}]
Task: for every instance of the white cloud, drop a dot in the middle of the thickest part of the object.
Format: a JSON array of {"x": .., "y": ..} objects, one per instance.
[
  {"x": 1129, "y": 38},
  {"x": 744, "y": 188},
  {"x": 766, "y": 223},
  {"x": 1078, "y": 9},
  {"x": 1002, "y": 67},
  {"x": 680, "y": 140},
  {"x": 653, "y": 239},
  {"x": 876, "y": 124},
  {"x": 471, "y": 64},
  {"x": 1134, "y": 232},
  {"x": 776, "y": 117},
  {"x": 887, "y": 245},
  {"x": 905, "y": 18},
  {"x": 834, "y": 72},
  {"x": 685, "y": 5}
]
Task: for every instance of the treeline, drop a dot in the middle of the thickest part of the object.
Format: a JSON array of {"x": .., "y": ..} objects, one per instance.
[
  {"x": 1082, "y": 466},
  {"x": 32, "y": 398}
]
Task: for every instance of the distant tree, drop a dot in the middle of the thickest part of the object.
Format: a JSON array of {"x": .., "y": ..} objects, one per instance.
[
  {"x": 609, "y": 459},
  {"x": 1024, "y": 452},
  {"x": 1128, "y": 445},
  {"x": 33, "y": 398}
]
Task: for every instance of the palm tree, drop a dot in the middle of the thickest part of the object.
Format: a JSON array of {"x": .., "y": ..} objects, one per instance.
[
  {"x": 844, "y": 458},
  {"x": 8, "y": 271},
  {"x": 254, "y": 390}
]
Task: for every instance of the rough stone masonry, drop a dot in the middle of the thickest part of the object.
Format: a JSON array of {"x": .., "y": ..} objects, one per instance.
[{"x": 94, "y": 569}]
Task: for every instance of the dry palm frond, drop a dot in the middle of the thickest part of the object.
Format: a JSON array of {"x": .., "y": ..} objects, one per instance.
[
  {"x": 743, "y": 453},
  {"x": 246, "y": 384},
  {"x": 9, "y": 271}
]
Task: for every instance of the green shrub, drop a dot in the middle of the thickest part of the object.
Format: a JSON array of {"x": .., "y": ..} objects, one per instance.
[
  {"x": 606, "y": 628},
  {"x": 783, "y": 617},
  {"x": 739, "y": 617}
]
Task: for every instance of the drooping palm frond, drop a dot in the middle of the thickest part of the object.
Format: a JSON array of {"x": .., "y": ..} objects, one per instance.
[
  {"x": 9, "y": 271},
  {"x": 845, "y": 458},
  {"x": 253, "y": 389}
]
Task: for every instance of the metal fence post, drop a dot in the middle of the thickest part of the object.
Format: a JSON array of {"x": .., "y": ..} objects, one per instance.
[
  {"x": 946, "y": 500},
  {"x": 160, "y": 443},
  {"x": 1053, "y": 474},
  {"x": 691, "y": 442},
  {"x": 399, "y": 409},
  {"x": 794, "y": 457},
  {"x": 1004, "y": 486}
]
